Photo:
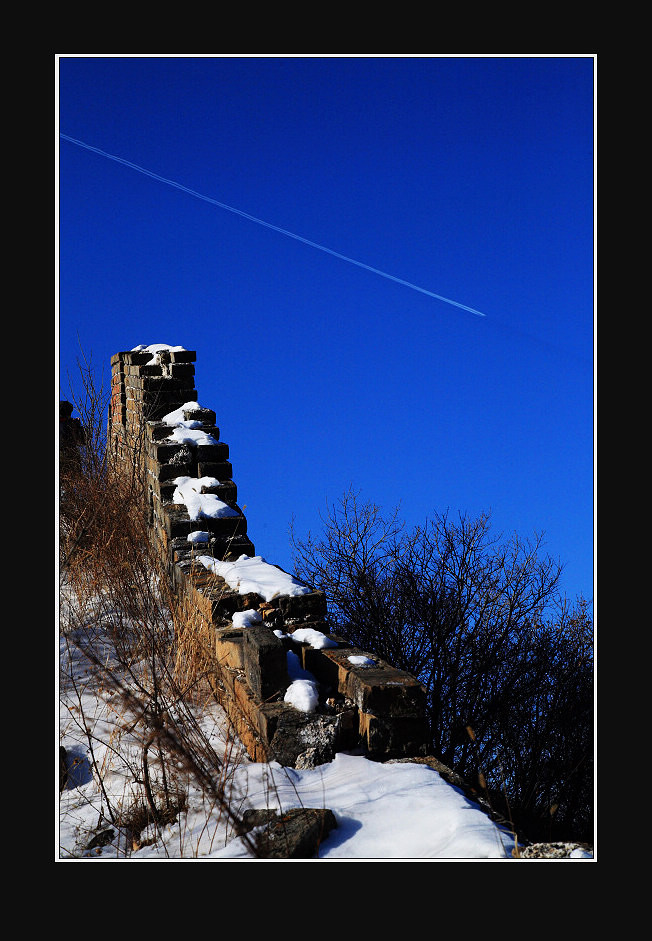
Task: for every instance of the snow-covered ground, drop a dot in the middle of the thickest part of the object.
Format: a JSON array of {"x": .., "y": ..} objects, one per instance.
[
  {"x": 394, "y": 811},
  {"x": 383, "y": 811}
]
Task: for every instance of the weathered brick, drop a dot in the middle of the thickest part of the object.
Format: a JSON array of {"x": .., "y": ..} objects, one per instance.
[
  {"x": 228, "y": 548},
  {"x": 265, "y": 662},
  {"x": 205, "y": 415},
  {"x": 393, "y": 737},
  {"x": 159, "y": 384},
  {"x": 135, "y": 358},
  {"x": 385, "y": 691},
  {"x": 181, "y": 370},
  {"x": 380, "y": 689},
  {"x": 222, "y": 470},
  {"x": 308, "y": 607},
  {"x": 229, "y": 648},
  {"x": 212, "y": 453}
]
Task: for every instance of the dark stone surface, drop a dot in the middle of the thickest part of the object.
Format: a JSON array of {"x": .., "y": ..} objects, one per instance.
[
  {"x": 305, "y": 740},
  {"x": 205, "y": 415},
  {"x": 308, "y": 607},
  {"x": 296, "y": 834},
  {"x": 223, "y": 470},
  {"x": 265, "y": 663}
]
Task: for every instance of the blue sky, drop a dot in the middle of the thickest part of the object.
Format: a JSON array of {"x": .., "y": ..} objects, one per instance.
[{"x": 468, "y": 177}]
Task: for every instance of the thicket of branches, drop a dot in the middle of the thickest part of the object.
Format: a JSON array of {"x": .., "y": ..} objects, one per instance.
[
  {"x": 160, "y": 661},
  {"x": 507, "y": 662}
]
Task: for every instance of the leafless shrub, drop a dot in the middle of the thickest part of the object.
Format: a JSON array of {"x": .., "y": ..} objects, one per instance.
[{"x": 480, "y": 621}]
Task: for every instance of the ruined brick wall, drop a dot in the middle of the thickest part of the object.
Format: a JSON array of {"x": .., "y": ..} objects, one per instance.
[
  {"x": 146, "y": 387},
  {"x": 364, "y": 702}
]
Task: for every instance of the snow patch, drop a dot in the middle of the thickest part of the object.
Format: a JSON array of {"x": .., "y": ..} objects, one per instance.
[
  {"x": 157, "y": 348},
  {"x": 303, "y": 695},
  {"x": 182, "y": 434},
  {"x": 247, "y": 618},
  {"x": 316, "y": 639},
  {"x": 198, "y": 535},
  {"x": 200, "y": 505},
  {"x": 254, "y": 574}
]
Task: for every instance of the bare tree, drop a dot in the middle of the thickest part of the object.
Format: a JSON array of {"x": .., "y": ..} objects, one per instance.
[{"x": 480, "y": 622}]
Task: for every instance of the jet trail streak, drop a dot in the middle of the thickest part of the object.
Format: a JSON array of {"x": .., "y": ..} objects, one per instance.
[{"x": 269, "y": 225}]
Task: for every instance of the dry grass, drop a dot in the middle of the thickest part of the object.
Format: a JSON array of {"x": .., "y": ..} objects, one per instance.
[{"x": 161, "y": 657}]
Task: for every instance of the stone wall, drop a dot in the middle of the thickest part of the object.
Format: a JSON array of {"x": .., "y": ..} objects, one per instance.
[{"x": 363, "y": 702}]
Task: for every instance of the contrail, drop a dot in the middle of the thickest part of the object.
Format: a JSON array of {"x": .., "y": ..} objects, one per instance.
[{"x": 268, "y": 225}]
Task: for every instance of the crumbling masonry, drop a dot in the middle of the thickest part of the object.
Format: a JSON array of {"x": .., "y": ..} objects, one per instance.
[{"x": 367, "y": 704}]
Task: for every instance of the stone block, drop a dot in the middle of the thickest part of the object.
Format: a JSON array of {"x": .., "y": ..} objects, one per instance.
[
  {"x": 158, "y": 431},
  {"x": 381, "y": 689},
  {"x": 225, "y": 526},
  {"x": 205, "y": 415},
  {"x": 384, "y": 690},
  {"x": 169, "y": 472},
  {"x": 394, "y": 737},
  {"x": 207, "y": 429},
  {"x": 178, "y": 356},
  {"x": 296, "y": 834},
  {"x": 149, "y": 369},
  {"x": 308, "y": 607},
  {"x": 181, "y": 370},
  {"x": 156, "y": 405},
  {"x": 226, "y": 491},
  {"x": 212, "y": 453},
  {"x": 305, "y": 739},
  {"x": 265, "y": 663},
  {"x": 207, "y": 601},
  {"x": 134, "y": 357},
  {"x": 177, "y": 521},
  {"x": 173, "y": 398},
  {"x": 329, "y": 665},
  {"x": 159, "y": 384},
  {"x": 229, "y": 648},
  {"x": 229, "y": 548},
  {"x": 166, "y": 451},
  {"x": 222, "y": 470}
]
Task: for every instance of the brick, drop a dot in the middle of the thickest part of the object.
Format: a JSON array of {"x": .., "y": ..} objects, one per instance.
[
  {"x": 312, "y": 736},
  {"x": 146, "y": 370},
  {"x": 164, "y": 452},
  {"x": 169, "y": 472},
  {"x": 381, "y": 690},
  {"x": 306, "y": 607},
  {"x": 385, "y": 691},
  {"x": 226, "y": 491},
  {"x": 181, "y": 370},
  {"x": 222, "y": 470},
  {"x": 157, "y": 409},
  {"x": 265, "y": 662},
  {"x": 135, "y": 358},
  {"x": 224, "y": 526},
  {"x": 228, "y": 548},
  {"x": 173, "y": 397},
  {"x": 212, "y": 453},
  {"x": 205, "y": 415},
  {"x": 181, "y": 356},
  {"x": 207, "y": 429},
  {"x": 394, "y": 737},
  {"x": 229, "y": 648}
]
